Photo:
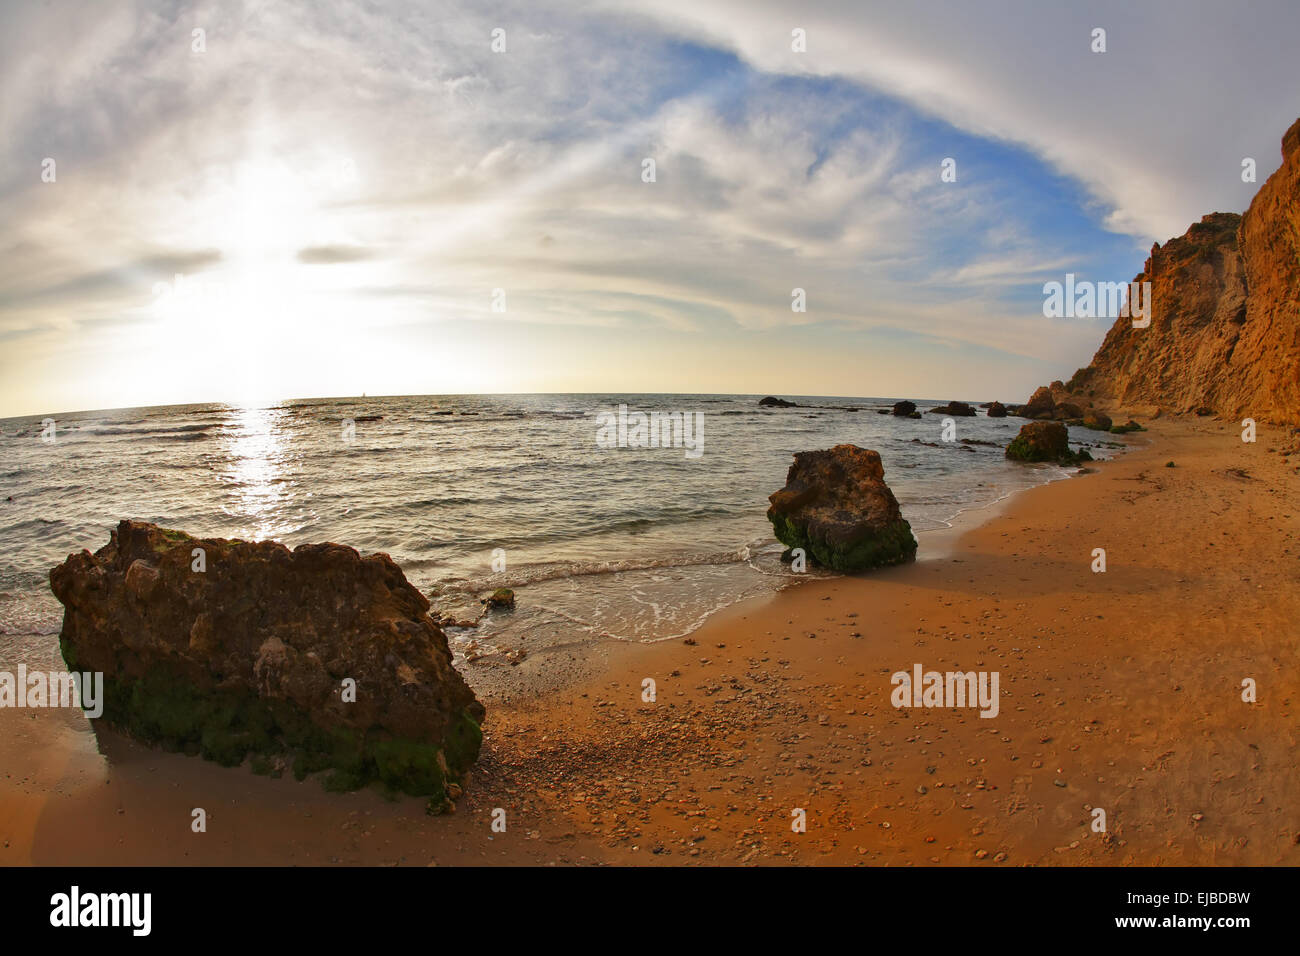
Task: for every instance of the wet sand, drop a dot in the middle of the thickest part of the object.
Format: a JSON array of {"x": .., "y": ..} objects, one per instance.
[{"x": 1120, "y": 691}]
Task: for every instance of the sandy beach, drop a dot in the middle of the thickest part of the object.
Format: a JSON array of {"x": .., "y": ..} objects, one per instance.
[{"x": 1119, "y": 690}]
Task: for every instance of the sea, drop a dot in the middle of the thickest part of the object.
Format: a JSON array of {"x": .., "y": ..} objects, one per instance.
[{"x": 469, "y": 493}]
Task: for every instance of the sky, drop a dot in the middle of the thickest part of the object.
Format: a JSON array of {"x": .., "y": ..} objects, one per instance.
[{"x": 248, "y": 202}]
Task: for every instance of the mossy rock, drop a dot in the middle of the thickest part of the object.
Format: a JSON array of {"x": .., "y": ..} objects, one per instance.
[
  {"x": 1044, "y": 441},
  {"x": 227, "y": 728},
  {"x": 1130, "y": 426},
  {"x": 893, "y": 545}
]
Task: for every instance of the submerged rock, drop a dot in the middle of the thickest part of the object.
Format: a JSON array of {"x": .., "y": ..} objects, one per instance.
[
  {"x": 232, "y": 648},
  {"x": 771, "y": 402},
  {"x": 836, "y": 506},
  {"x": 501, "y": 597},
  {"x": 904, "y": 408},
  {"x": 1045, "y": 441}
]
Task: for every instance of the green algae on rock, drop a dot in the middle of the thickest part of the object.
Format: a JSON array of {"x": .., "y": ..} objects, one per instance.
[
  {"x": 836, "y": 506},
  {"x": 316, "y": 658}
]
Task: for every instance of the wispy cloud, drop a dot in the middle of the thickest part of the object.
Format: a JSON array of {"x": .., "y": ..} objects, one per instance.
[{"x": 375, "y": 181}]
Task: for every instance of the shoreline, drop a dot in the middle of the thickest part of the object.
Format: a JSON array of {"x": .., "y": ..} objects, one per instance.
[{"x": 1119, "y": 691}]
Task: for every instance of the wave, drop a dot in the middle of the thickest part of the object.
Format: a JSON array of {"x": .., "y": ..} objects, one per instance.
[
  {"x": 554, "y": 570},
  {"x": 173, "y": 430}
]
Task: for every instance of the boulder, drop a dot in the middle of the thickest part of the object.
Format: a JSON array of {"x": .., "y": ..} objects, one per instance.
[
  {"x": 904, "y": 408},
  {"x": 1097, "y": 421},
  {"x": 955, "y": 408},
  {"x": 1044, "y": 441},
  {"x": 1129, "y": 426},
  {"x": 836, "y": 506},
  {"x": 1040, "y": 403},
  {"x": 997, "y": 410},
  {"x": 231, "y": 649},
  {"x": 771, "y": 402}
]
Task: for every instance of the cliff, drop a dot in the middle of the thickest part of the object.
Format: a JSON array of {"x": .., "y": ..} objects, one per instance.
[{"x": 1225, "y": 317}]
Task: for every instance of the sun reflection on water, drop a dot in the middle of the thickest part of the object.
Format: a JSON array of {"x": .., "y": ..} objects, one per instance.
[{"x": 260, "y": 491}]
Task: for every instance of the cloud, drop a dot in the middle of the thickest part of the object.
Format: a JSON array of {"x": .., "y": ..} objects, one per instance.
[
  {"x": 1155, "y": 127},
  {"x": 392, "y": 139},
  {"x": 327, "y": 255}
]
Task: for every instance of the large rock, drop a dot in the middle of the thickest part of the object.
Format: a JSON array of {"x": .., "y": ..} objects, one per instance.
[
  {"x": 249, "y": 656},
  {"x": 1044, "y": 441},
  {"x": 904, "y": 408},
  {"x": 836, "y": 506},
  {"x": 997, "y": 410}
]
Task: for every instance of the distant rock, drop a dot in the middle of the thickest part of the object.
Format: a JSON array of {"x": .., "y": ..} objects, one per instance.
[
  {"x": 904, "y": 408},
  {"x": 1044, "y": 441},
  {"x": 997, "y": 410},
  {"x": 1129, "y": 426},
  {"x": 316, "y": 654},
  {"x": 960, "y": 409},
  {"x": 771, "y": 402},
  {"x": 1066, "y": 411},
  {"x": 836, "y": 506}
]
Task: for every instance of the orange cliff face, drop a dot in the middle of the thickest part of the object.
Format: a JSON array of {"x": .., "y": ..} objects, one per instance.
[{"x": 1225, "y": 317}]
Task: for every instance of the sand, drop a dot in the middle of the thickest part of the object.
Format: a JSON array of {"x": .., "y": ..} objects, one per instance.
[{"x": 1119, "y": 690}]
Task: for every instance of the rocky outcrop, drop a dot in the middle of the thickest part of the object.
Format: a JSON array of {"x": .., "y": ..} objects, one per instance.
[
  {"x": 997, "y": 410},
  {"x": 1040, "y": 404},
  {"x": 771, "y": 402},
  {"x": 1044, "y": 441},
  {"x": 904, "y": 408},
  {"x": 231, "y": 648},
  {"x": 1225, "y": 316},
  {"x": 836, "y": 506}
]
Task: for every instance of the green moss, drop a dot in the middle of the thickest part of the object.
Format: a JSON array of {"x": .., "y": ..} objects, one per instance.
[
  {"x": 1021, "y": 449},
  {"x": 895, "y": 545},
  {"x": 169, "y": 710},
  {"x": 1131, "y": 426}
]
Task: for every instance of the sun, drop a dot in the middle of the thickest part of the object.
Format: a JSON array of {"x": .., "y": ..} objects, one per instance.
[{"x": 234, "y": 326}]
